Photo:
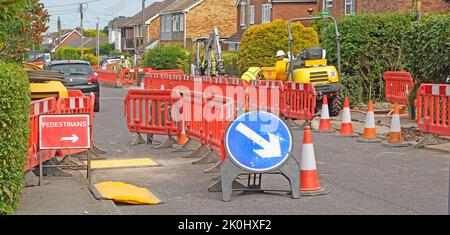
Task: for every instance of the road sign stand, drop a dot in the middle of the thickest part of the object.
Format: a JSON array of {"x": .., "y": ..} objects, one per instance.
[
  {"x": 257, "y": 143},
  {"x": 230, "y": 171},
  {"x": 48, "y": 140}
]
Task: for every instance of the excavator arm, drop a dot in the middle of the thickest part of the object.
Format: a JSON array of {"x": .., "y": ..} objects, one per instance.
[{"x": 211, "y": 44}]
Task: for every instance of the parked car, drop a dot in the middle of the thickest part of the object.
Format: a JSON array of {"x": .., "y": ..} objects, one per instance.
[{"x": 79, "y": 76}]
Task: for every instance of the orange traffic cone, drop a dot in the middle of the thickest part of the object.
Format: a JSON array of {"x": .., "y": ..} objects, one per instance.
[
  {"x": 396, "y": 138},
  {"x": 182, "y": 137},
  {"x": 370, "y": 131},
  {"x": 309, "y": 180},
  {"x": 347, "y": 126},
  {"x": 325, "y": 122}
]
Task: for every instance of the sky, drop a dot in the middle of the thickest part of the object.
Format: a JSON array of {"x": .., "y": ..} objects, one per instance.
[{"x": 106, "y": 10}]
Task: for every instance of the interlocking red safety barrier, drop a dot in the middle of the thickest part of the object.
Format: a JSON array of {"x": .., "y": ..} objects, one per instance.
[
  {"x": 433, "y": 113},
  {"x": 207, "y": 105},
  {"x": 299, "y": 101},
  {"x": 265, "y": 95},
  {"x": 150, "y": 112},
  {"x": 37, "y": 108},
  {"x": 398, "y": 86},
  {"x": 130, "y": 76},
  {"x": 107, "y": 77}
]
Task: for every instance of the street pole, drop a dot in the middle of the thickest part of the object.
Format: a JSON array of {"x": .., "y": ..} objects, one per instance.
[
  {"x": 81, "y": 26},
  {"x": 143, "y": 23},
  {"x": 98, "y": 44},
  {"x": 59, "y": 30}
]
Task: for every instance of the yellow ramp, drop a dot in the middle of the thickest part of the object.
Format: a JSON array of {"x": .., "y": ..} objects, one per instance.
[
  {"x": 124, "y": 193},
  {"x": 127, "y": 163}
]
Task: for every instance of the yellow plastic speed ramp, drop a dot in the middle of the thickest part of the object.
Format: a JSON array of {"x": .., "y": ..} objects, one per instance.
[
  {"x": 124, "y": 193},
  {"x": 125, "y": 163}
]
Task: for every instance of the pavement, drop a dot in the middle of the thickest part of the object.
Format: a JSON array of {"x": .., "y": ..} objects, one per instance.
[
  {"x": 362, "y": 179},
  {"x": 61, "y": 196}
]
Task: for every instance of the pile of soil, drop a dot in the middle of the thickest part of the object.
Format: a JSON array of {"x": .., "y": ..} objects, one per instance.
[{"x": 412, "y": 134}]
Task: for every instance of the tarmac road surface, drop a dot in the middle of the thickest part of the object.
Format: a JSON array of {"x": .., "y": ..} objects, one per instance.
[{"x": 362, "y": 178}]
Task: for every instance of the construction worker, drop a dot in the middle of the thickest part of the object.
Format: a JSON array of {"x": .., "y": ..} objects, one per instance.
[
  {"x": 251, "y": 74},
  {"x": 281, "y": 65}
]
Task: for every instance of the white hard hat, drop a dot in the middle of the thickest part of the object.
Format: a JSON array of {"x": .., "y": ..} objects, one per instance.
[{"x": 280, "y": 53}]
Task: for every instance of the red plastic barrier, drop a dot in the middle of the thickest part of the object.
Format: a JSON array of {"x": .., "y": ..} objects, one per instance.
[
  {"x": 299, "y": 101},
  {"x": 207, "y": 117},
  {"x": 265, "y": 95},
  {"x": 150, "y": 112},
  {"x": 398, "y": 86},
  {"x": 77, "y": 103},
  {"x": 107, "y": 77},
  {"x": 96, "y": 67},
  {"x": 433, "y": 113},
  {"x": 45, "y": 106},
  {"x": 130, "y": 76}
]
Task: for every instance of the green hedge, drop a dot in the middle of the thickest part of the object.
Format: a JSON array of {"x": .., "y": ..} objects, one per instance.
[
  {"x": 426, "y": 48},
  {"x": 90, "y": 58},
  {"x": 261, "y": 42},
  {"x": 373, "y": 44},
  {"x": 370, "y": 46},
  {"x": 14, "y": 118},
  {"x": 70, "y": 53},
  {"x": 230, "y": 59},
  {"x": 166, "y": 58}
]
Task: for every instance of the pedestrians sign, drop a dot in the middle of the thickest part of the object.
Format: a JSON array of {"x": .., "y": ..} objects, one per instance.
[
  {"x": 64, "y": 132},
  {"x": 258, "y": 141}
]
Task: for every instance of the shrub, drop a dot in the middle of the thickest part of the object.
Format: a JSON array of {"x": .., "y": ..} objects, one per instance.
[
  {"x": 230, "y": 59},
  {"x": 14, "y": 118},
  {"x": 107, "y": 49},
  {"x": 66, "y": 53},
  {"x": 167, "y": 57},
  {"x": 426, "y": 48},
  {"x": 370, "y": 46},
  {"x": 261, "y": 42},
  {"x": 70, "y": 53},
  {"x": 90, "y": 58}
]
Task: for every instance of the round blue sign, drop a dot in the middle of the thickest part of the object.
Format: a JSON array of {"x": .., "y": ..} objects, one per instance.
[{"x": 258, "y": 141}]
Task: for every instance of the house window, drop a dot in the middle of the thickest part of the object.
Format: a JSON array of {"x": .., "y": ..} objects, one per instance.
[
  {"x": 176, "y": 23},
  {"x": 349, "y": 7},
  {"x": 327, "y": 5},
  {"x": 242, "y": 14},
  {"x": 166, "y": 24},
  {"x": 252, "y": 14},
  {"x": 266, "y": 13}
]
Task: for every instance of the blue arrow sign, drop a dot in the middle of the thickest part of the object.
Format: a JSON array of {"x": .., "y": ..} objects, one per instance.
[{"x": 258, "y": 141}]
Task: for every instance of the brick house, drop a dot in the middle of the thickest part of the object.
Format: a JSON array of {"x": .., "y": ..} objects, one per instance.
[
  {"x": 66, "y": 39},
  {"x": 339, "y": 8},
  {"x": 254, "y": 12},
  {"x": 114, "y": 31},
  {"x": 185, "y": 20},
  {"x": 133, "y": 37}
]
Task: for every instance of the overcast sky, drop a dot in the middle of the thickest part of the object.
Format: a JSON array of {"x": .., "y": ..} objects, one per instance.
[{"x": 107, "y": 10}]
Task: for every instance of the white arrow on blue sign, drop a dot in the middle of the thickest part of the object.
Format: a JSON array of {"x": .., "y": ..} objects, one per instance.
[{"x": 258, "y": 141}]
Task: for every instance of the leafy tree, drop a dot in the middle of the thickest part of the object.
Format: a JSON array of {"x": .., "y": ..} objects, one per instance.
[
  {"x": 107, "y": 49},
  {"x": 21, "y": 24},
  {"x": 91, "y": 33}
]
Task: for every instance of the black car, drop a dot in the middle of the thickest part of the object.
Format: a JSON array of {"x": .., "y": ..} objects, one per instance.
[{"x": 79, "y": 75}]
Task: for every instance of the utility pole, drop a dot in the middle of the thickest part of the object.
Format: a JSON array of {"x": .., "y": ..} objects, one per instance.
[
  {"x": 98, "y": 43},
  {"x": 81, "y": 26},
  {"x": 143, "y": 24},
  {"x": 59, "y": 30}
]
